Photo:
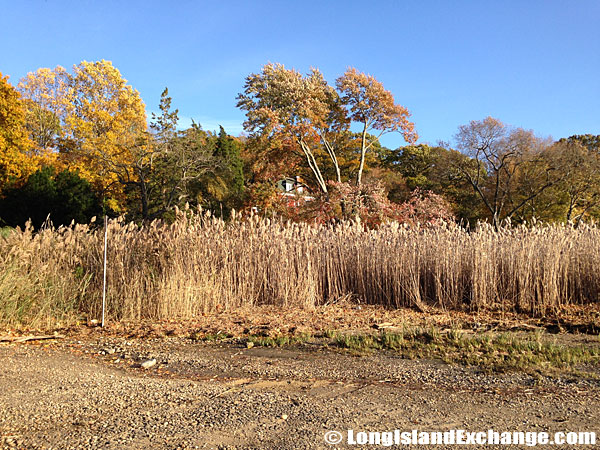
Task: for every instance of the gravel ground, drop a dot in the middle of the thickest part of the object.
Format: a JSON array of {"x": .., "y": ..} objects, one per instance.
[{"x": 93, "y": 393}]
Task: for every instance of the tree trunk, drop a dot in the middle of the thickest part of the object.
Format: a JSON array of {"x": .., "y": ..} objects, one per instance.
[
  {"x": 144, "y": 199},
  {"x": 314, "y": 167},
  {"x": 363, "y": 151}
]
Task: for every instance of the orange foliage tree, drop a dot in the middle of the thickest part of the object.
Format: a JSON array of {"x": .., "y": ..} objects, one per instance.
[
  {"x": 304, "y": 118},
  {"x": 290, "y": 113},
  {"x": 373, "y": 107}
]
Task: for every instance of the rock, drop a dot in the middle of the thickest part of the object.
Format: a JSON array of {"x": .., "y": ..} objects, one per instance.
[
  {"x": 381, "y": 326},
  {"x": 149, "y": 363},
  {"x": 109, "y": 351}
]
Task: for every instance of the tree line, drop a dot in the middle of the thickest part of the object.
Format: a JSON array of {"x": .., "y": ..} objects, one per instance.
[{"x": 75, "y": 144}]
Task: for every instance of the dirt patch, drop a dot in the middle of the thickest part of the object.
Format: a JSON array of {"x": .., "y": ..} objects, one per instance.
[
  {"x": 90, "y": 392},
  {"x": 273, "y": 320}
]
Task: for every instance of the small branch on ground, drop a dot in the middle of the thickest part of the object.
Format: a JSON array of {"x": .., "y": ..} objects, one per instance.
[{"x": 29, "y": 338}]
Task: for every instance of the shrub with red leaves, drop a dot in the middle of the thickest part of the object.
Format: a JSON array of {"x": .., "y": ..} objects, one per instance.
[{"x": 370, "y": 204}]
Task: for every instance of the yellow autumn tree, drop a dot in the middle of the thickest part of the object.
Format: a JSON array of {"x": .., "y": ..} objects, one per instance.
[
  {"x": 15, "y": 160},
  {"x": 45, "y": 93},
  {"x": 105, "y": 120}
]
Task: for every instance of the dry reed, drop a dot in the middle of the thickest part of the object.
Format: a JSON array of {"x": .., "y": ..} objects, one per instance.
[{"x": 201, "y": 264}]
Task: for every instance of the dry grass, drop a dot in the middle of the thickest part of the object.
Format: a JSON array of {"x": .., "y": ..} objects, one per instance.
[{"x": 201, "y": 265}]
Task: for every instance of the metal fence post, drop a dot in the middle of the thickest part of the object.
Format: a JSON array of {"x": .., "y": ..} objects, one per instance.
[{"x": 104, "y": 281}]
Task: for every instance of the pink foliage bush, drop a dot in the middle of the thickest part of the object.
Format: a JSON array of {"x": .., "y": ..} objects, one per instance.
[
  {"x": 424, "y": 207},
  {"x": 370, "y": 203}
]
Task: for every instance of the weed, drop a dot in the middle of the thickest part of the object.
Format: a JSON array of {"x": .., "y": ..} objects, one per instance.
[{"x": 329, "y": 334}]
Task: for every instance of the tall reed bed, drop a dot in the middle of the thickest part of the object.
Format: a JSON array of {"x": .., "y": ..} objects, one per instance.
[{"x": 200, "y": 264}]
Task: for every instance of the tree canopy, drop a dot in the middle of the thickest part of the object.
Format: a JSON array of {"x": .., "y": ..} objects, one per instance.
[
  {"x": 303, "y": 117},
  {"x": 76, "y": 142},
  {"x": 15, "y": 160}
]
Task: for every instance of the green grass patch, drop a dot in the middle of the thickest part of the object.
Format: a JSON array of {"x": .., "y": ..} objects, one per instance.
[
  {"x": 279, "y": 341},
  {"x": 489, "y": 352},
  {"x": 5, "y": 231}
]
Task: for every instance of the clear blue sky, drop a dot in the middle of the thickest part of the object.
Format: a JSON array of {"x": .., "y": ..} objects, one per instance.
[{"x": 534, "y": 64}]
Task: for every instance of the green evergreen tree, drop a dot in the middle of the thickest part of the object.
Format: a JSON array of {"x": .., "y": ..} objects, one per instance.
[
  {"x": 75, "y": 199},
  {"x": 61, "y": 198},
  {"x": 227, "y": 152}
]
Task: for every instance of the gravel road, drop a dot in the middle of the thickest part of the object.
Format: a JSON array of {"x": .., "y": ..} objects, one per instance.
[{"x": 92, "y": 393}]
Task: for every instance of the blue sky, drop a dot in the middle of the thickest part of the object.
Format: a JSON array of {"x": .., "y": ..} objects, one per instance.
[{"x": 534, "y": 64}]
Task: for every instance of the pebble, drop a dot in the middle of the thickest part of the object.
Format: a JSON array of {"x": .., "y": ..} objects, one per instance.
[{"x": 149, "y": 363}]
